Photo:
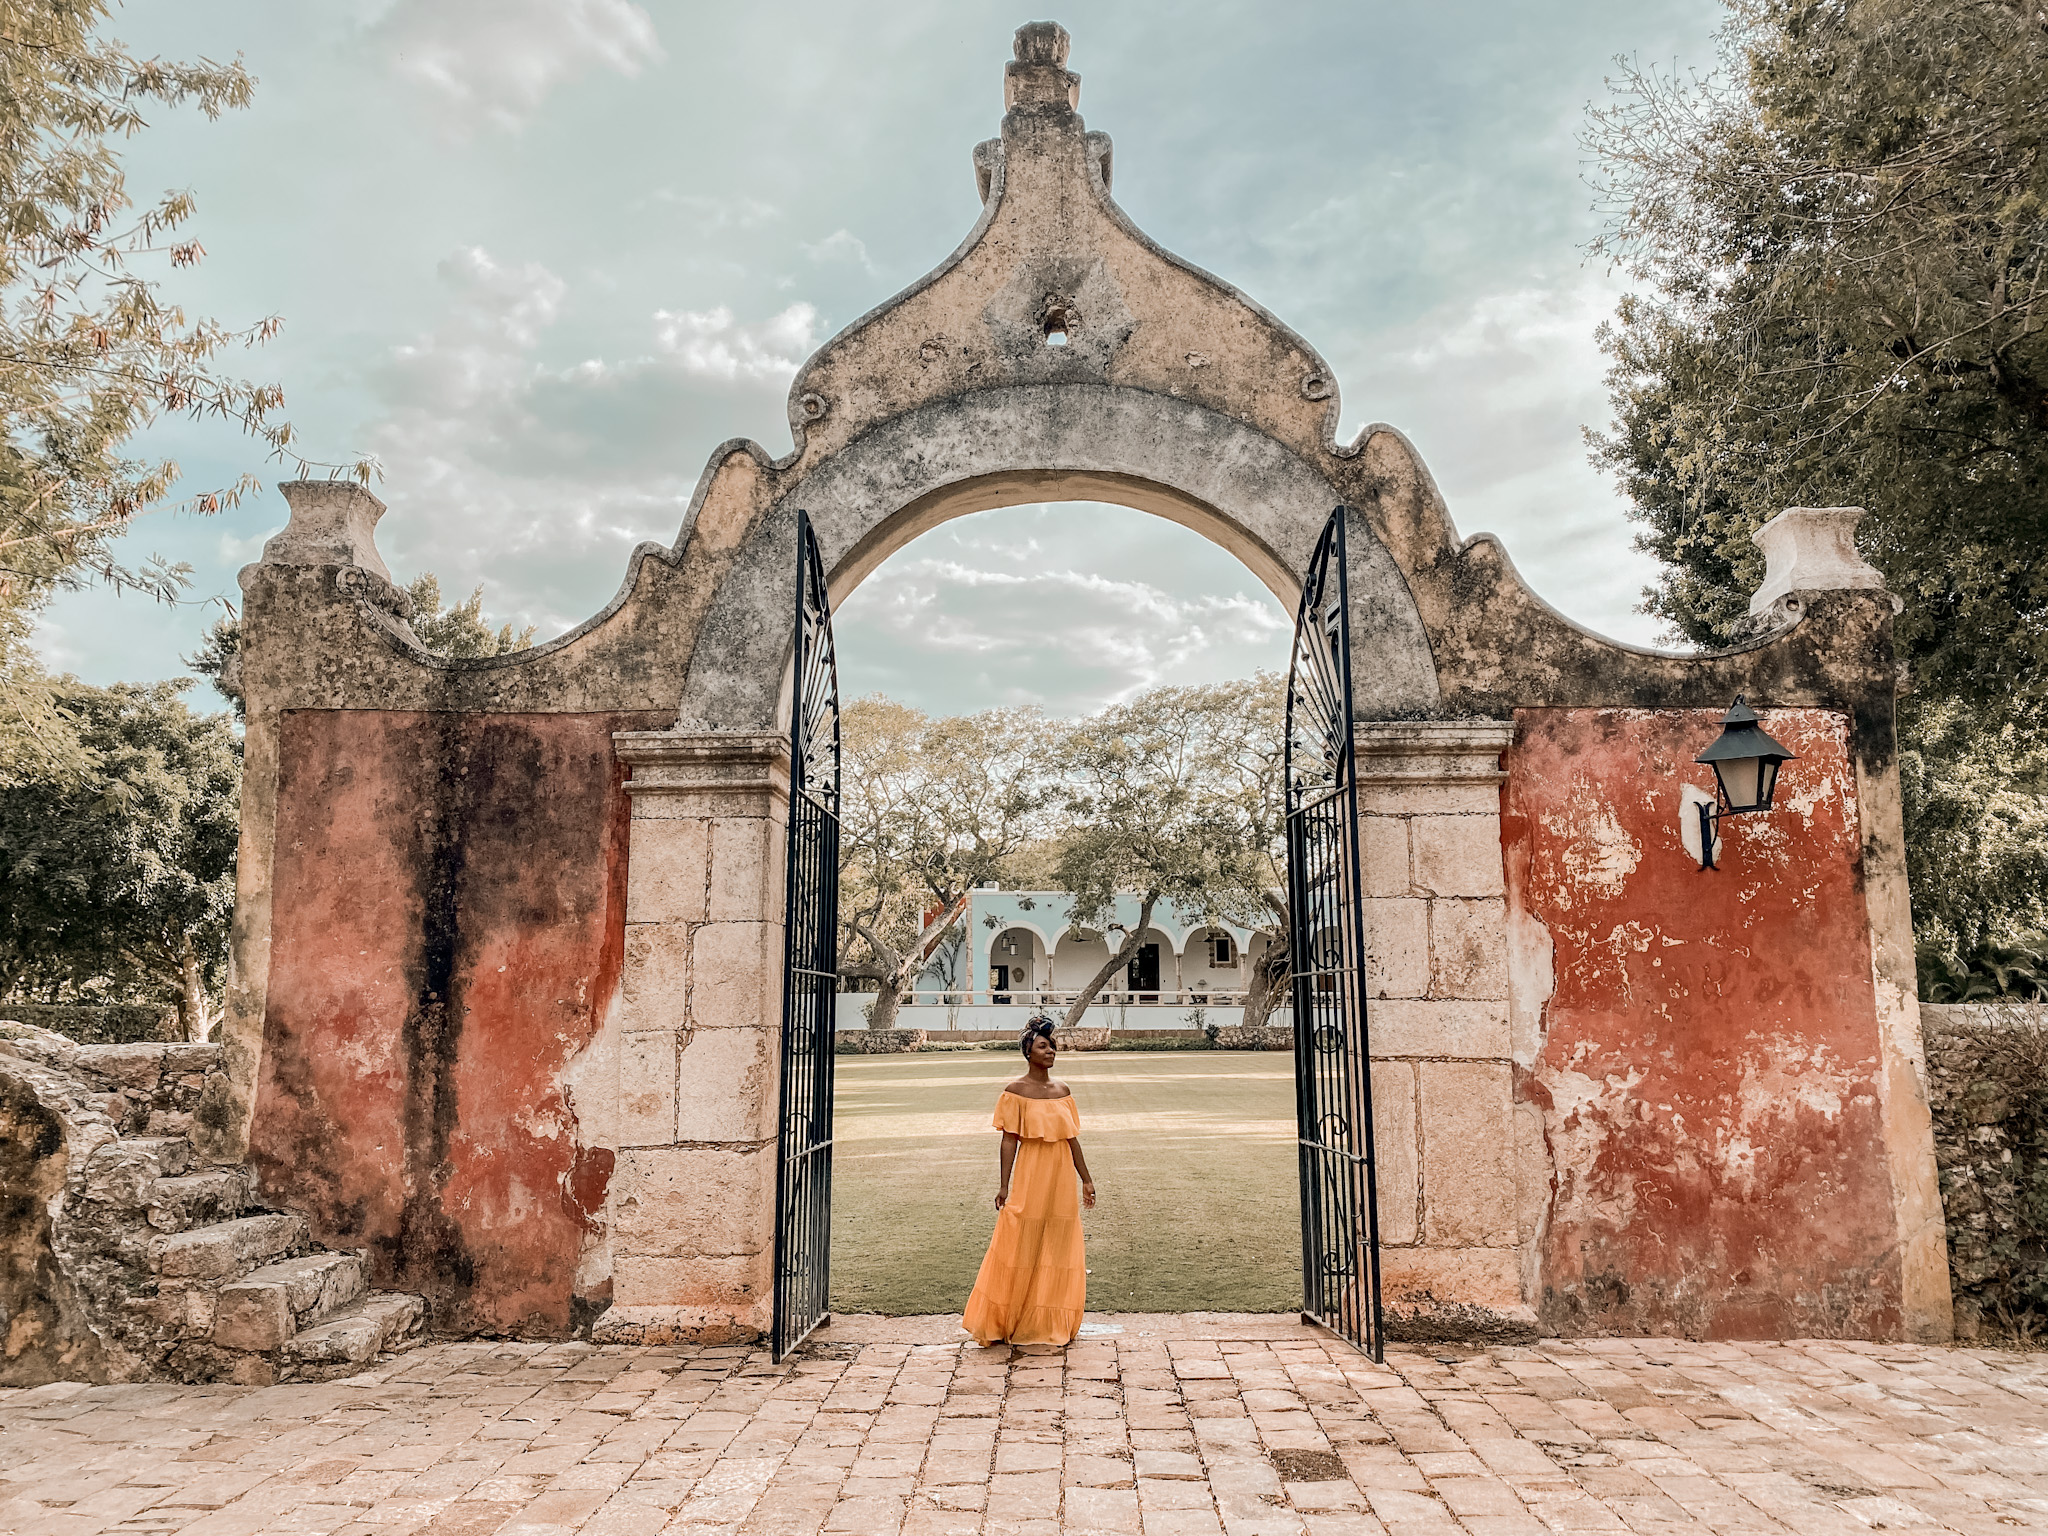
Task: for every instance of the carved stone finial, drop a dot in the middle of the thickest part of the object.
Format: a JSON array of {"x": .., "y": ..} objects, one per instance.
[
  {"x": 1811, "y": 549},
  {"x": 334, "y": 522},
  {"x": 1038, "y": 76},
  {"x": 1043, "y": 42}
]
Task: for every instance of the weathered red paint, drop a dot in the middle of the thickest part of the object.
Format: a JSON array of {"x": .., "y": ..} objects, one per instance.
[
  {"x": 448, "y": 933},
  {"x": 1708, "y": 1057}
]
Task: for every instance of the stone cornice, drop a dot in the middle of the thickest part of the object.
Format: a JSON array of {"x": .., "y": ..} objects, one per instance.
[
  {"x": 1431, "y": 751},
  {"x": 679, "y": 762}
]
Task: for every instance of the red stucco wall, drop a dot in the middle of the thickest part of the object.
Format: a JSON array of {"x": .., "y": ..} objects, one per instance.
[
  {"x": 1706, "y": 1057},
  {"x": 449, "y": 922}
]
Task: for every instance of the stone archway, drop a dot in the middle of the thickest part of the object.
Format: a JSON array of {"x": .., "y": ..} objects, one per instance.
[
  {"x": 507, "y": 935},
  {"x": 1242, "y": 489}
]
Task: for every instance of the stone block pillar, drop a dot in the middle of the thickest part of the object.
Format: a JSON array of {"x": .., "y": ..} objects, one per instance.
[
  {"x": 1442, "y": 1066},
  {"x": 693, "y": 1191}
]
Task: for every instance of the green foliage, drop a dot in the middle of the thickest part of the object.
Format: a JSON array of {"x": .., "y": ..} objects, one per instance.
[
  {"x": 1843, "y": 242},
  {"x": 1176, "y": 796},
  {"x": 1177, "y": 793},
  {"x": 121, "y": 880},
  {"x": 461, "y": 630},
  {"x": 1989, "y": 973},
  {"x": 1976, "y": 800},
  {"x": 215, "y": 658},
  {"x": 1846, "y": 239},
  {"x": 90, "y": 352}
]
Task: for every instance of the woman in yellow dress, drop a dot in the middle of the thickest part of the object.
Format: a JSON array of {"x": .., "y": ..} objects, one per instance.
[{"x": 1033, "y": 1285}]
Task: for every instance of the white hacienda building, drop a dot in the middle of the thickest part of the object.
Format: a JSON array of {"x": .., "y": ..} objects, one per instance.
[{"x": 1016, "y": 950}]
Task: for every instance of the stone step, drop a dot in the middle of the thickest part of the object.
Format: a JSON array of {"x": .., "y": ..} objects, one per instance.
[
  {"x": 267, "y": 1306},
  {"x": 200, "y": 1199},
  {"x": 227, "y": 1249},
  {"x": 122, "y": 1171},
  {"x": 384, "y": 1322}
]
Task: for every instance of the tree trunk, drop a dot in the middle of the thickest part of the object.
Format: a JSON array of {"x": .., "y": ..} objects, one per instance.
[
  {"x": 888, "y": 979},
  {"x": 1128, "y": 948},
  {"x": 1269, "y": 981},
  {"x": 883, "y": 1014},
  {"x": 193, "y": 1007}
]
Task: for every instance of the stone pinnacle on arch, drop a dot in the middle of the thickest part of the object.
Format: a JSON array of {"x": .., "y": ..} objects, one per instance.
[{"x": 1037, "y": 77}]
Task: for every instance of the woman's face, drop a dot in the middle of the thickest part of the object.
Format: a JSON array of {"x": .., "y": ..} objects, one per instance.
[{"x": 1043, "y": 1051}]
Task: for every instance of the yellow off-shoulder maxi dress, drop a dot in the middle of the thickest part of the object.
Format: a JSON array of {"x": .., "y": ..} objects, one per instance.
[{"x": 1033, "y": 1284}]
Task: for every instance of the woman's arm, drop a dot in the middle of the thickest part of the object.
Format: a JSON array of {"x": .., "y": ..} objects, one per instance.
[
  {"x": 1006, "y": 1159},
  {"x": 1081, "y": 1167}
]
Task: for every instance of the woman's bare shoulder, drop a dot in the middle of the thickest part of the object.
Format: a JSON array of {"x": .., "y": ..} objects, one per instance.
[{"x": 1024, "y": 1088}]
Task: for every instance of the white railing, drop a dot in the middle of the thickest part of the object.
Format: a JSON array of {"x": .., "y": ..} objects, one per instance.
[{"x": 1187, "y": 997}]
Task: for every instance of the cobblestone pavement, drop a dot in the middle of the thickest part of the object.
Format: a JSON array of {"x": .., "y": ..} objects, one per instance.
[{"x": 1173, "y": 1426}]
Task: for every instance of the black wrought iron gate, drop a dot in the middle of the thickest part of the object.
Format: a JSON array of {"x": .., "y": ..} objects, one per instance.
[
  {"x": 1340, "y": 1223},
  {"x": 803, "y": 1168}
]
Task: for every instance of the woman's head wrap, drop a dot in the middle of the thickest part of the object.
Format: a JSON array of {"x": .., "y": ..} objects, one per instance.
[{"x": 1038, "y": 1024}]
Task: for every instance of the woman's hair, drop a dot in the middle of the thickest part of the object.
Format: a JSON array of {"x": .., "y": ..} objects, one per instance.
[{"x": 1038, "y": 1024}]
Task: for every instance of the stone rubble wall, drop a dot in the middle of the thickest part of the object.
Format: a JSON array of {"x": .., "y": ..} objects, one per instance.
[
  {"x": 1987, "y": 1068},
  {"x": 123, "y": 1257},
  {"x": 76, "y": 1231}
]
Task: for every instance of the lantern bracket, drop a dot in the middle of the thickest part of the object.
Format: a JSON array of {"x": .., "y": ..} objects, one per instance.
[
  {"x": 1709, "y": 814},
  {"x": 1745, "y": 759}
]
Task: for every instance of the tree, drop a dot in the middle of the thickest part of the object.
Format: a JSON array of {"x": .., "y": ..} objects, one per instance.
[
  {"x": 1168, "y": 802},
  {"x": 1977, "y": 801},
  {"x": 876, "y": 891},
  {"x": 1843, "y": 236},
  {"x": 458, "y": 631},
  {"x": 121, "y": 880},
  {"x": 1245, "y": 778},
  {"x": 118, "y": 854},
  {"x": 90, "y": 352},
  {"x": 929, "y": 810},
  {"x": 461, "y": 630}
]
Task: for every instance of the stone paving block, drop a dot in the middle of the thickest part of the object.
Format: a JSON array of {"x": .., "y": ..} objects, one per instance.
[
  {"x": 1341, "y": 1523},
  {"x": 1113, "y": 1511},
  {"x": 1024, "y": 1495}
]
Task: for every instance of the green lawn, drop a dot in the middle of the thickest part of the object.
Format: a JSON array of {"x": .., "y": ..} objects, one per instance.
[{"x": 1193, "y": 1157}]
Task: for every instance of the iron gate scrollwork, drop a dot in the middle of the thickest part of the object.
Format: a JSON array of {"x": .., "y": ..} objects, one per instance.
[
  {"x": 810, "y": 987},
  {"x": 1340, "y": 1227}
]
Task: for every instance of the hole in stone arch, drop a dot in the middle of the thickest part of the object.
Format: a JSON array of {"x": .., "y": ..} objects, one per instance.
[{"x": 1058, "y": 321}]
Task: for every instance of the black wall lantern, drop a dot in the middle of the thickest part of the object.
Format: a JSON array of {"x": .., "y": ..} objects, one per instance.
[{"x": 1745, "y": 762}]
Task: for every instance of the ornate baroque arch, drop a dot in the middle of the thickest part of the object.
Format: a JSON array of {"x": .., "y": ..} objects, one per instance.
[{"x": 1058, "y": 353}]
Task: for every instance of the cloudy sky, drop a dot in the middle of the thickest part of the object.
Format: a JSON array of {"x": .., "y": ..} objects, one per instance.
[{"x": 540, "y": 257}]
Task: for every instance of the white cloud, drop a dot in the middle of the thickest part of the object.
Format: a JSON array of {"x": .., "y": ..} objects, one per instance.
[
  {"x": 710, "y": 344},
  {"x": 1069, "y": 606},
  {"x": 1495, "y": 393},
  {"x": 840, "y": 245},
  {"x": 538, "y": 479},
  {"x": 496, "y": 61}
]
